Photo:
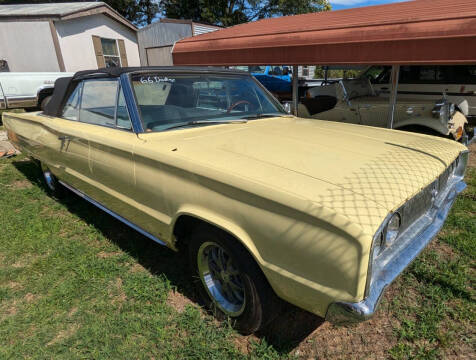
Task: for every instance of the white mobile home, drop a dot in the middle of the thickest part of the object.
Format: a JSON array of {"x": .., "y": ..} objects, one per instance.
[{"x": 65, "y": 37}]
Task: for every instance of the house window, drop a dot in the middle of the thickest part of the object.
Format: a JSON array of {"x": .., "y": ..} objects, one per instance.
[
  {"x": 110, "y": 53},
  {"x": 305, "y": 71}
]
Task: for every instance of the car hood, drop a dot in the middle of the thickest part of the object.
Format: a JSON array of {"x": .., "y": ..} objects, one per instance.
[{"x": 357, "y": 171}]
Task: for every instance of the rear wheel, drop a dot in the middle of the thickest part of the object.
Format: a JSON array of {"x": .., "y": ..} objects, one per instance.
[
  {"x": 229, "y": 281},
  {"x": 53, "y": 186}
]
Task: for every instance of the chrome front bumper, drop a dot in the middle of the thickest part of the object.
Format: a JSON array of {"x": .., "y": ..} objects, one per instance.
[{"x": 412, "y": 242}]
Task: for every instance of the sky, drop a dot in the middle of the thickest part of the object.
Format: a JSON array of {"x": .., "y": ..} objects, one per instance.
[{"x": 345, "y": 4}]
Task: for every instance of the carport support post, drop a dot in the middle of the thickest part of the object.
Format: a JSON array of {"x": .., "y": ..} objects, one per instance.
[
  {"x": 295, "y": 90},
  {"x": 393, "y": 95}
]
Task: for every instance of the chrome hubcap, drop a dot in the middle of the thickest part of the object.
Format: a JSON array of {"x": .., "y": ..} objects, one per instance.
[
  {"x": 221, "y": 279},
  {"x": 49, "y": 178}
]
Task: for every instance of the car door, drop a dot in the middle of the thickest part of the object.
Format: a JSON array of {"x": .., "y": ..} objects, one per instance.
[
  {"x": 111, "y": 143},
  {"x": 346, "y": 110},
  {"x": 67, "y": 149}
]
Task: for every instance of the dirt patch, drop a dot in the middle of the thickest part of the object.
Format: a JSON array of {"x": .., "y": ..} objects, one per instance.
[
  {"x": 105, "y": 255},
  {"x": 371, "y": 339},
  {"x": 472, "y": 155},
  {"x": 29, "y": 297},
  {"x": 307, "y": 336},
  {"x": 137, "y": 268},
  {"x": 178, "y": 301},
  {"x": 6, "y": 148},
  {"x": 117, "y": 294},
  {"x": 442, "y": 249},
  {"x": 73, "y": 311},
  {"x": 14, "y": 285},
  {"x": 242, "y": 343},
  {"x": 64, "y": 334},
  {"x": 21, "y": 184},
  {"x": 25, "y": 261},
  {"x": 8, "y": 309}
]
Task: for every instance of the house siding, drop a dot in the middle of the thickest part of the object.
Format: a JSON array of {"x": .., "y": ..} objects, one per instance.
[
  {"x": 75, "y": 39},
  {"x": 160, "y": 34},
  {"x": 28, "y": 46}
]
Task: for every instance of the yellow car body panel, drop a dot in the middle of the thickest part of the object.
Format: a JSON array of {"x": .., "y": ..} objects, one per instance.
[{"x": 305, "y": 197}]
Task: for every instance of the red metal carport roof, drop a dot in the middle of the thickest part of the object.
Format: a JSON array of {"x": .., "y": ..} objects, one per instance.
[{"x": 414, "y": 32}]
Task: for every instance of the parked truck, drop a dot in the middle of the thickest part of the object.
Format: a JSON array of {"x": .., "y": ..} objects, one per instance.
[{"x": 28, "y": 90}]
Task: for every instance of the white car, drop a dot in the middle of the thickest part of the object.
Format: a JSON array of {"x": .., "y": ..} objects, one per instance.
[
  {"x": 456, "y": 83},
  {"x": 29, "y": 90},
  {"x": 429, "y": 83}
]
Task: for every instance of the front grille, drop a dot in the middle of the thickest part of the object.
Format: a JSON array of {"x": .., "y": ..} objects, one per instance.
[
  {"x": 443, "y": 179},
  {"x": 422, "y": 202},
  {"x": 416, "y": 207}
]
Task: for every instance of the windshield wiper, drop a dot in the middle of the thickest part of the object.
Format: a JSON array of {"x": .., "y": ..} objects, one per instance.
[
  {"x": 205, "y": 122},
  {"x": 261, "y": 116}
]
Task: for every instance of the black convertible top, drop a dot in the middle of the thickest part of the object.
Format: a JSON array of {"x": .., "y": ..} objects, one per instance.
[{"x": 64, "y": 86}]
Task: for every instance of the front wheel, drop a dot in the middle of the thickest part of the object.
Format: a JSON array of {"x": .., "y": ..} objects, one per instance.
[{"x": 229, "y": 281}]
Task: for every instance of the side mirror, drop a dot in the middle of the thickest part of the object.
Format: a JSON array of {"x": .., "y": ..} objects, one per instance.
[{"x": 288, "y": 107}]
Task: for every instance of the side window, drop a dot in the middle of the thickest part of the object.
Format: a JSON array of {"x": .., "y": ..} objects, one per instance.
[
  {"x": 122, "y": 116},
  {"x": 71, "y": 108},
  {"x": 410, "y": 74},
  {"x": 428, "y": 74},
  {"x": 378, "y": 75},
  {"x": 461, "y": 74},
  {"x": 98, "y": 102}
]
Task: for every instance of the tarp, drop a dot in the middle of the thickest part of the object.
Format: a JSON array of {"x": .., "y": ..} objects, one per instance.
[{"x": 414, "y": 32}]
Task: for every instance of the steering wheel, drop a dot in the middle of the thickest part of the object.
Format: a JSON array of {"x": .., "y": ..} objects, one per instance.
[{"x": 232, "y": 106}]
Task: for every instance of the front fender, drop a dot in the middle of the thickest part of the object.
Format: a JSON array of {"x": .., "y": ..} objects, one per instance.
[
  {"x": 309, "y": 263},
  {"x": 212, "y": 218}
]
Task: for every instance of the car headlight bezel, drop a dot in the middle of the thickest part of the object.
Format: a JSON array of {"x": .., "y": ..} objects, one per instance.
[
  {"x": 392, "y": 228},
  {"x": 380, "y": 241}
]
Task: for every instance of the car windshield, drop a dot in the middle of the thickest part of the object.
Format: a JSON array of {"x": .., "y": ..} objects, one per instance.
[{"x": 167, "y": 101}]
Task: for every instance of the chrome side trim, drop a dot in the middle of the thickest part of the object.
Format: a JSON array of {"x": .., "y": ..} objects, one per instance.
[
  {"x": 412, "y": 242},
  {"x": 22, "y": 102},
  {"x": 112, "y": 213}
]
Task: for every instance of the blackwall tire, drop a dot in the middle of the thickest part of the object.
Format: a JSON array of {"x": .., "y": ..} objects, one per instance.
[{"x": 236, "y": 289}]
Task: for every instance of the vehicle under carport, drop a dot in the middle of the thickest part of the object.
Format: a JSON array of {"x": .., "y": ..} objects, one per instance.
[{"x": 407, "y": 33}]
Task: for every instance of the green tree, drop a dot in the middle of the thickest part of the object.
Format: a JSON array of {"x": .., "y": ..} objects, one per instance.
[
  {"x": 232, "y": 12},
  {"x": 139, "y": 12}
]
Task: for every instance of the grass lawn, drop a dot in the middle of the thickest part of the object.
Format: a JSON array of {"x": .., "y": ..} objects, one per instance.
[{"x": 75, "y": 283}]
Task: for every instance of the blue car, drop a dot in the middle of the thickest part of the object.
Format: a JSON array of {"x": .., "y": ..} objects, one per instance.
[{"x": 276, "y": 79}]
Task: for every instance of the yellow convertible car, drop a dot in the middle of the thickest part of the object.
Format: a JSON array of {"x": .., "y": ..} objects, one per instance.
[{"x": 269, "y": 206}]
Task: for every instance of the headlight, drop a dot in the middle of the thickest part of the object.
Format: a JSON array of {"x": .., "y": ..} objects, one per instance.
[
  {"x": 440, "y": 111},
  {"x": 393, "y": 228},
  {"x": 452, "y": 110}
]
